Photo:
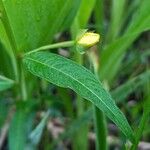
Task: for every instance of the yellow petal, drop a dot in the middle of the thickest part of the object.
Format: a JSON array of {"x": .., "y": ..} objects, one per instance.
[{"x": 89, "y": 39}]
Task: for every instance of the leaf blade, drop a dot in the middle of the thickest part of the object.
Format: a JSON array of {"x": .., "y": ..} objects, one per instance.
[
  {"x": 66, "y": 73},
  {"x": 20, "y": 127},
  {"x": 36, "y": 134},
  {"x": 5, "y": 83},
  {"x": 117, "y": 49},
  {"x": 43, "y": 17},
  {"x": 130, "y": 86}
]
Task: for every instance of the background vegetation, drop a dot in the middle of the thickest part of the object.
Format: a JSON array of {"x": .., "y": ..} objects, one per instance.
[{"x": 43, "y": 97}]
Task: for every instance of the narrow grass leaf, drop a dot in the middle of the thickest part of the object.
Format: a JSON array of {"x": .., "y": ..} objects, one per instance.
[
  {"x": 5, "y": 83},
  {"x": 131, "y": 85},
  {"x": 6, "y": 46},
  {"x": 113, "y": 54},
  {"x": 117, "y": 12},
  {"x": 87, "y": 8},
  {"x": 4, "y": 39},
  {"x": 36, "y": 134},
  {"x": 99, "y": 16},
  {"x": 18, "y": 131}
]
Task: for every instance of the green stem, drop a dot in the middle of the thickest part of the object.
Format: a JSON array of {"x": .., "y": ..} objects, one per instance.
[
  {"x": 140, "y": 130},
  {"x": 24, "y": 94},
  {"x": 80, "y": 142},
  {"x": 53, "y": 46},
  {"x": 100, "y": 129},
  {"x": 79, "y": 59},
  {"x": 67, "y": 101},
  {"x": 99, "y": 117}
]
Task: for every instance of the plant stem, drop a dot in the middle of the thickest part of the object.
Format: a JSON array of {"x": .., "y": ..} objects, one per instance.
[
  {"x": 53, "y": 46},
  {"x": 79, "y": 59},
  {"x": 100, "y": 129},
  {"x": 80, "y": 142},
  {"x": 67, "y": 101},
  {"x": 99, "y": 117},
  {"x": 24, "y": 94}
]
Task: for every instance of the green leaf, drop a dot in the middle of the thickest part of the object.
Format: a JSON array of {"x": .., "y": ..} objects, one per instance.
[
  {"x": 36, "y": 134},
  {"x": 117, "y": 14},
  {"x": 82, "y": 18},
  {"x": 68, "y": 74},
  {"x": 5, "y": 83},
  {"x": 85, "y": 12},
  {"x": 36, "y": 22},
  {"x": 19, "y": 128},
  {"x": 76, "y": 4},
  {"x": 113, "y": 54},
  {"x": 131, "y": 85},
  {"x": 99, "y": 16},
  {"x": 140, "y": 20},
  {"x": 119, "y": 94},
  {"x": 7, "y": 47},
  {"x": 4, "y": 39},
  {"x": 17, "y": 135}
]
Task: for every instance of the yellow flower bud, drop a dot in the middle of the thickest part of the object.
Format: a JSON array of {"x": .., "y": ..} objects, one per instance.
[{"x": 88, "y": 39}]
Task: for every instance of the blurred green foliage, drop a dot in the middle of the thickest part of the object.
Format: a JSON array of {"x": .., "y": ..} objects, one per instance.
[{"x": 122, "y": 57}]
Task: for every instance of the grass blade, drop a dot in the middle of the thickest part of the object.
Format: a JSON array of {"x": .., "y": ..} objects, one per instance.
[
  {"x": 117, "y": 13},
  {"x": 130, "y": 86},
  {"x": 117, "y": 49},
  {"x": 87, "y": 8},
  {"x": 146, "y": 112},
  {"x": 36, "y": 134},
  {"x": 19, "y": 129},
  {"x": 5, "y": 83}
]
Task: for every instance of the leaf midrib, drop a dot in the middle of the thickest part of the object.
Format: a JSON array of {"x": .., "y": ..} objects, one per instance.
[{"x": 71, "y": 78}]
